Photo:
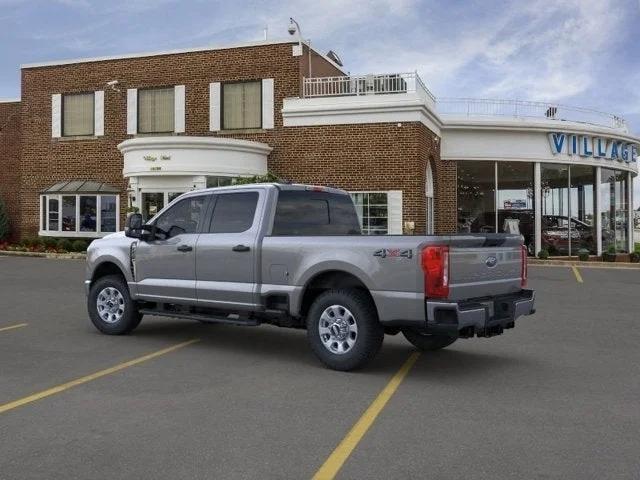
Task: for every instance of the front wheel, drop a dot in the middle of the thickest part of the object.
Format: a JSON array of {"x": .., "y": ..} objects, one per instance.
[
  {"x": 425, "y": 342},
  {"x": 110, "y": 306},
  {"x": 343, "y": 329}
]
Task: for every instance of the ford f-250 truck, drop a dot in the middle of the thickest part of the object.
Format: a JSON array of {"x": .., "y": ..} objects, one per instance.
[{"x": 294, "y": 256}]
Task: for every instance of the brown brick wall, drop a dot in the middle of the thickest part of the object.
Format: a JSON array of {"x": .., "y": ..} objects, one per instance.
[
  {"x": 10, "y": 160},
  {"x": 354, "y": 157},
  {"x": 46, "y": 161},
  {"x": 445, "y": 182}
]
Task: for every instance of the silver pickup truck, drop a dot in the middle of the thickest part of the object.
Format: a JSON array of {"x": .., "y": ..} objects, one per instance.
[{"x": 294, "y": 256}]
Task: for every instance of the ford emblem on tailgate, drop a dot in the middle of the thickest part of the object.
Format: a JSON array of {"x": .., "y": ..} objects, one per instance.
[{"x": 491, "y": 261}]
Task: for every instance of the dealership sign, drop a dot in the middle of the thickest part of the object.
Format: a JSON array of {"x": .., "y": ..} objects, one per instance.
[{"x": 589, "y": 146}]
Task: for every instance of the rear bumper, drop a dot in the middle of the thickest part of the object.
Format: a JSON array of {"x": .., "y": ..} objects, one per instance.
[{"x": 483, "y": 317}]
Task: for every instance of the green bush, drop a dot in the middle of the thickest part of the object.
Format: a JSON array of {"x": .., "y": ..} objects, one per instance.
[
  {"x": 5, "y": 229},
  {"x": 268, "y": 178},
  {"x": 583, "y": 254},
  {"x": 611, "y": 249},
  {"x": 635, "y": 257},
  {"x": 543, "y": 254},
  {"x": 79, "y": 245},
  {"x": 636, "y": 248},
  {"x": 29, "y": 242},
  {"x": 65, "y": 244},
  {"x": 49, "y": 242}
]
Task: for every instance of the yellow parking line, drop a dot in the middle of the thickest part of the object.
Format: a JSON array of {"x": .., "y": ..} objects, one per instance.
[
  {"x": 74, "y": 383},
  {"x": 576, "y": 272},
  {"x": 11, "y": 327},
  {"x": 334, "y": 463}
]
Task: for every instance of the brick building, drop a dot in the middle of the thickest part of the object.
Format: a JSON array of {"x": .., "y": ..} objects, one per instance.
[{"x": 91, "y": 137}]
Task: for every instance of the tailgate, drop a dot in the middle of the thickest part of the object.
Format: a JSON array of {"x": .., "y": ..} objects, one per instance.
[{"x": 484, "y": 265}]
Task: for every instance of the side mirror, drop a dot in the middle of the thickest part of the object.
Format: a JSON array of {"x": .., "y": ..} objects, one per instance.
[{"x": 133, "y": 225}]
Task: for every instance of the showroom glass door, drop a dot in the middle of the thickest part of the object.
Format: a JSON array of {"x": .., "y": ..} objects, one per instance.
[
  {"x": 582, "y": 208},
  {"x": 152, "y": 203},
  {"x": 516, "y": 201},
  {"x": 555, "y": 208}
]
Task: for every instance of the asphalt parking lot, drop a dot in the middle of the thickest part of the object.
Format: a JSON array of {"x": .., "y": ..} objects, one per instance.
[{"x": 557, "y": 397}]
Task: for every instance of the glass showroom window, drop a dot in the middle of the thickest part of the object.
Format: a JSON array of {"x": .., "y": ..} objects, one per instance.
[
  {"x": 476, "y": 196},
  {"x": 79, "y": 215},
  {"x": 241, "y": 105},
  {"x": 78, "y": 114},
  {"x": 373, "y": 212},
  {"x": 219, "y": 181},
  {"x": 555, "y": 208},
  {"x": 581, "y": 209},
  {"x": 614, "y": 210},
  {"x": 156, "y": 110},
  {"x": 516, "y": 209}
]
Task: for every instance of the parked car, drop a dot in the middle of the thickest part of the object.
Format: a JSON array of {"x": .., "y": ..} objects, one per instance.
[{"x": 293, "y": 256}]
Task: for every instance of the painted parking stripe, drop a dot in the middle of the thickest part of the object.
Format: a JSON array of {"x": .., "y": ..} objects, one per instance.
[
  {"x": 576, "y": 272},
  {"x": 12, "y": 327},
  {"x": 94, "y": 376},
  {"x": 334, "y": 463}
]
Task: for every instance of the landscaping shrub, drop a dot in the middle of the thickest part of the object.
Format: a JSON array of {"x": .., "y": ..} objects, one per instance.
[
  {"x": 49, "y": 243},
  {"x": 65, "y": 244},
  {"x": 543, "y": 254},
  {"x": 583, "y": 255},
  {"x": 79, "y": 245}
]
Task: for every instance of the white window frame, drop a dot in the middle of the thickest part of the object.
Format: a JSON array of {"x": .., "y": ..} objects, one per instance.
[
  {"x": 369, "y": 192},
  {"x": 44, "y": 215},
  {"x": 430, "y": 200}
]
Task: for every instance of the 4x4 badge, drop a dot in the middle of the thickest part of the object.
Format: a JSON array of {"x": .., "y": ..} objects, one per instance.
[{"x": 393, "y": 253}]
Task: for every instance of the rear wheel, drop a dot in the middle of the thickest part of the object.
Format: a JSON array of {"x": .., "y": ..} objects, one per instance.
[
  {"x": 110, "y": 306},
  {"x": 343, "y": 329},
  {"x": 426, "y": 342}
]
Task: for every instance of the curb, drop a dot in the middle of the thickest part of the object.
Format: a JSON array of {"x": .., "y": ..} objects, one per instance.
[
  {"x": 577, "y": 263},
  {"x": 59, "y": 256}
]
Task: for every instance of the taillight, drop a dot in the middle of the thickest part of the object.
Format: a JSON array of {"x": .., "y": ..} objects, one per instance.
[
  {"x": 523, "y": 268},
  {"x": 435, "y": 265}
]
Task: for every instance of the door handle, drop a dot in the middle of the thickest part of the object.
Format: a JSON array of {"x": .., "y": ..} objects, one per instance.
[
  {"x": 185, "y": 248},
  {"x": 240, "y": 248}
]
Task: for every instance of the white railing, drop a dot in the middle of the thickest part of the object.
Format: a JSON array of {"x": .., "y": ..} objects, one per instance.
[
  {"x": 374, "y": 84},
  {"x": 473, "y": 107}
]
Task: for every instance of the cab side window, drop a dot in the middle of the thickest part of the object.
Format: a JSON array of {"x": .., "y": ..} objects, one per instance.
[
  {"x": 182, "y": 218},
  {"x": 233, "y": 212}
]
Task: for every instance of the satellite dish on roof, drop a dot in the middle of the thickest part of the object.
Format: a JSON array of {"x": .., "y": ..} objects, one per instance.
[{"x": 334, "y": 57}]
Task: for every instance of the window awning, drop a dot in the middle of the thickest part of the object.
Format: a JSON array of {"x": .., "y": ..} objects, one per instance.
[{"x": 81, "y": 186}]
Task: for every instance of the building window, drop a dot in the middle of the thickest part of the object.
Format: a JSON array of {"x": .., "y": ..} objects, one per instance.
[
  {"x": 241, "y": 105},
  {"x": 430, "y": 201},
  {"x": 614, "y": 210},
  {"x": 79, "y": 215},
  {"x": 516, "y": 209},
  {"x": 156, "y": 110},
  {"x": 78, "y": 114},
  {"x": 373, "y": 212},
  {"x": 219, "y": 181},
  {"x": 476, "y": 197}
]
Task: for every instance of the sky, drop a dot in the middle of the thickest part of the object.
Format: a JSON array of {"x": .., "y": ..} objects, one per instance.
[{"x": 576, "y": 52}]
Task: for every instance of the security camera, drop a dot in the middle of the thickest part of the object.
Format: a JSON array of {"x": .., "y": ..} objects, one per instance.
[
  {"x": 112, "y": 85},
  {"x": 291, "y": 29}
]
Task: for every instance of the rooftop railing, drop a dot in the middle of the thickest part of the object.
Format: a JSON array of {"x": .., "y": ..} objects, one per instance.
[
  {"x": 374, "y": 84},
  {"x": 395, "y": 83},
  {"x": 476, "y": 107}
]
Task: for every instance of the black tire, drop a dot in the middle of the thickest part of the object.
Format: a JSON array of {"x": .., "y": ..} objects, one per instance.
[
  {"x": 425, "y": 342},
  {"x": 366, "y": 342},
  {"x": 128, "y": 320}
]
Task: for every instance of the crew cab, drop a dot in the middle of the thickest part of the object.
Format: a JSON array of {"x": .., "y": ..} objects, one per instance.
[{"x": 294, "y": 256}]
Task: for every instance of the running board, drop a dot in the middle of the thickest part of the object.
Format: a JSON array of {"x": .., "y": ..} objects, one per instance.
[{"x": 201, "y": 318}]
